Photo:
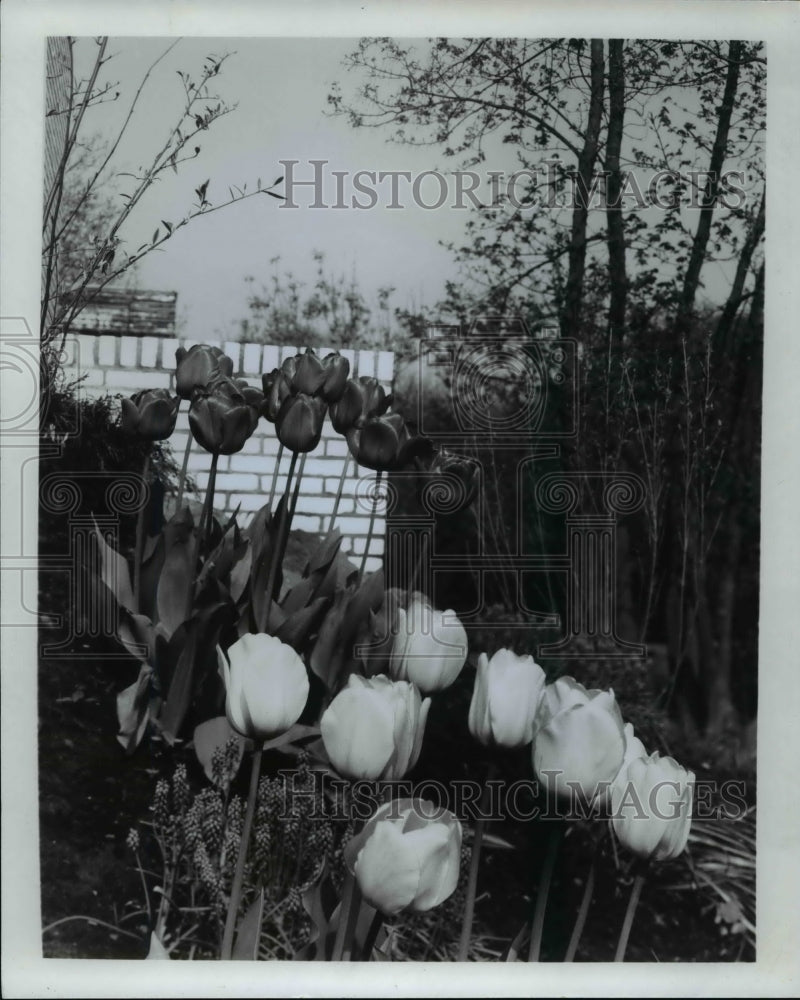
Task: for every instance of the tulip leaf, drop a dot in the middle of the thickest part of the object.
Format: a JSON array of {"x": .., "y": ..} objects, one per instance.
[
  {"x": 212, "y": 735},
  {"x": 297, "y": 628},
  {"x": 240, "y": 572},
  {"x": 157, "y": 949},
  {"x": 133, "y": 710},
  {"x": 517, "y": 944},
  {"x": 114, "y": 572},
  {"x": 196, "y": 640},
  {"x": 296, "y": 732},
  {"x": 137, "y": 635},
  {"x": 175, "y": 582},
  {"x": 324, "y": 555},
  {"x": 327, "y": 655},
  {"x": 299, "y": 596},
  {"x": 246, "y": 947},
  {"x": 320, "y": 903}
]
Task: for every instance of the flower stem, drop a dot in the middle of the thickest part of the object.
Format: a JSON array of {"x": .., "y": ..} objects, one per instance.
[
  {"x": 627, "y": 923},
  {"x": 348, "y": 892},
  {"x": 275, "y": 472},
  {"x": 208, "y": 508},
  {"x": 139, "y": 554},
  {"x": 544, "y": 890},
  {"x": 580, "y": 920},
  {"x": 352, "y": 923},
  {"x": 372, "y": 936},
  {"x": 472, "y": 883},
  {"x": 372, "y": 516},
  {"x": 184, "y": 470},
  {"x": 340, "y": 488},
  {"x": 238, "y": 876}
]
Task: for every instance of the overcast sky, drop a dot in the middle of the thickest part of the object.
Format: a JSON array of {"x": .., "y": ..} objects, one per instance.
[{"x": 281, "y": 86}]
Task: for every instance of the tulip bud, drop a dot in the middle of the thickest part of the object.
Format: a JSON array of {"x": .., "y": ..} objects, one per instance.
[
  {"x": 450, "y": 483},
  {"x": 407, "y": 857},
  {"x": 337, "y": 370},
  {"x": 505, "y": 698},
  {"x": 254, "y": 399},
  {"x": 430, "y": 648},
  {"x": 266, "y": 683},
  {"x": 374, "y": 728},
  {"x": 375, "y": 400},
  {"x": 220, "y": 418},
  {"x": 379, "y": 442},
  {"x": 348, "y": 409},
  {"x": 199, "y": 366},
  {"x": 578, "y": 739},
  {"x": 299, "y": 422},
  {"x": 651, "y": 803},
  {"x": 276, "y": 390},
  {"x": 309, "y": 374},
  {"x": 150, "y": 414}
]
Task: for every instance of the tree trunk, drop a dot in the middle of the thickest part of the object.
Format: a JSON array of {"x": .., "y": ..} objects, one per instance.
[
  {"x": 573, "y": 292},
  {"x": 618, "y": 282}
]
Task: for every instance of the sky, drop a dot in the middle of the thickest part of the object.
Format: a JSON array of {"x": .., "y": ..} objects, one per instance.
[{"x": 281, "y": 86}]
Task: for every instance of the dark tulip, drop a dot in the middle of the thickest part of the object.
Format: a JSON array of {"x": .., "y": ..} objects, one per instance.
[
  {"x": 279, "y": 390},
  {"x": 299, "y": 422},
  {"x": 199, "y": 366},
  {"x": 221, "y": 419},
  {"x": 451, "y": 478},
  {"x": 337, "y": 370},
  {"x": 379, "y": 442},
  {"x": 309, "y": 375},
  {"x": 348, "y": 410},
  {"x": 254, "y": 399},
  {"x": 375, "y": 400},
  {"x": 150, "y": 414}
]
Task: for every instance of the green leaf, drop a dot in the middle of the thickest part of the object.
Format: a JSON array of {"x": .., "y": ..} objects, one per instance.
[
  {"x": 196, "y": 640},
  {"x": 175, "y": 581},
  {"x": 133, "y": 710},
  {"x": 114, "y": 572},
  {"x": 246, "y": 947},
  {"x": 297, "y": 628},
  {"x": 296, "y": 732}
]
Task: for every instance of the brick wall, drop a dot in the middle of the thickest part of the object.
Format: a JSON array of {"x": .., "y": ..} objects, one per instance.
[{"x": 123, "y": 364}]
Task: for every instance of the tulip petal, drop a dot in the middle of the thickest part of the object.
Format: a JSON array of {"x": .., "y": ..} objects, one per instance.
[
  {"x": 357, "y": 730},
  {"x": 388, "y": 869},
  {"x": 479, "y": 720},
  {"x": 438, "y": 874}
]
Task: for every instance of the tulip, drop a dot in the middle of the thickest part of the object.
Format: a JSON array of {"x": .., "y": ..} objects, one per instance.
[
  {"x": 199, "y": 366},
  {"x": 407, "y": 857},
  {"x": 362, "y": 398},
  {"x": 379, "y": 442},
  {"x": 299, "y": 422},
  {"x": 430, "y": 648},
  {"x": 220, "y": 417},
  {"x": 337, "y": 370},
  {"x": 266, "y": 684},
  {"x": 374, "y": 728},
  {"x": 651, "y": 801},
  {"x": 505, "y": 698},
  {"x": 276, "y": 388},
  {"x": 578, "y": 738},
  {"x": 450, "y": 483},
  {"x": 254, "y": 399},
  {"x": 308, "y": 375},
  {"x": 150, "y": 414}
]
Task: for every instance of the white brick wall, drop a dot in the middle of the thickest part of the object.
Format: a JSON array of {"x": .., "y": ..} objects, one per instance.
[{"x": 123, "y": 365}]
